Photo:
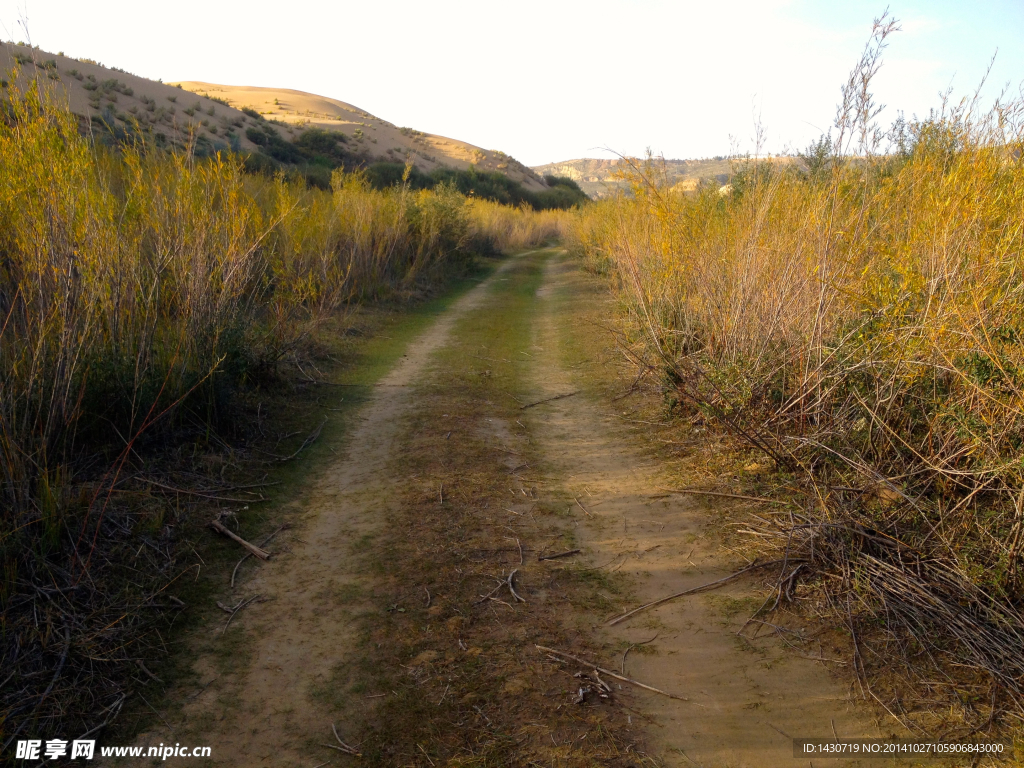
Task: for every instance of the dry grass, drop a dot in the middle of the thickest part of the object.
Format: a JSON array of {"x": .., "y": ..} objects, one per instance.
[
  {"x": 140, "y": 292},
  {"x": 502, "y": 229},
  {"x": 859, "y": 321}
]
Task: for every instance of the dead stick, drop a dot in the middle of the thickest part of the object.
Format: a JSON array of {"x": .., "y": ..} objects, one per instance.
[
  {"x": 608, "y": 672},
  {"x": 692, "y": 591},
  {"x": 432, "y": 763},
  {"x": 148, "y": 673},
  {"x": 724, "y": 495},
  {"x": 560, "y": 554},
  {"x": 625, "y": 653},
  {"x": 585, "y": 510},
  {"x": 305, "y": 443},
  {"x": 169, "y": 728},
  {"x": 219, "y": 527},
  {"x": 200, "y": 494},
  {"x": 485, "y": 598},
  {"x": 512, "y": 587},
  {"x": 351, "y": 750},
  {"x": 237, "y": 609},
  {"x": 340, "y": 749},
  {"x": 247, "y": 556},
  {"x": 548, "y": 400}
]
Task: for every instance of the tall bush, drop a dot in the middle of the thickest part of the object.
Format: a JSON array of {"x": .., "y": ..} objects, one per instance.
[{"x": 858, "y": 319}]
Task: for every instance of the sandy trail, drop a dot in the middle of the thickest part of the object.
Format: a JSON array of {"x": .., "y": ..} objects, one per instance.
[
  {"x": 746, "y": 702},
  {"x": 271, "y": 715}
]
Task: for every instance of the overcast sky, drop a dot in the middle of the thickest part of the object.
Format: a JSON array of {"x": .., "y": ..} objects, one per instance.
[{"x": 547, "y": 80}]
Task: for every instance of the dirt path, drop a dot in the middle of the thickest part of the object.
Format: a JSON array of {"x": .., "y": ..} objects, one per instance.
[
  {"x": 746, "y": 700},
  {"x": 268, "y": 695},
  {"x": 301, "y": 626}
]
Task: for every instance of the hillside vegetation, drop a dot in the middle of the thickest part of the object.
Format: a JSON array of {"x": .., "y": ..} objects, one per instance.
[
  {"x": 112, "y": 103},
  {"x": 316, "y": 153},
  {"x": 140, "y": 291},
  {"x": 370, "y": 135},
  {"x": 304, "y": 136},
  {"x": 858, "y": 322}
]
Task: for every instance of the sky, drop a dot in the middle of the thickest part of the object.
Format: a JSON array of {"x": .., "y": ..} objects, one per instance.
[{"x": 550, "y": 80}]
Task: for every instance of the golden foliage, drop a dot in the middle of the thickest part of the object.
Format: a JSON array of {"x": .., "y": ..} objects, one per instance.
[
  {"x": 861, "y": 320},
  {"x": 131, "y": 278}
]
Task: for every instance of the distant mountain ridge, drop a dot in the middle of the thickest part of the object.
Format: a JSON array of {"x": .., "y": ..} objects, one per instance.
[{"x": 597, "y": 177}]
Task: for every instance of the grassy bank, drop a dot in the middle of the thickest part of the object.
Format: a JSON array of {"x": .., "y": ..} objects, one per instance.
[
  {"x": 856, "y": 320},
  {"x": 143, "y": 296}
]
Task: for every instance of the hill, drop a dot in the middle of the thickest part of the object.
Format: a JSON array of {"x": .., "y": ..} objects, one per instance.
[
  {"x": 598, "y": 177},
  {"x": 374, "y": 137},
  {"x": 248, "y": 119},
  {"x": 113, "y": 100}
]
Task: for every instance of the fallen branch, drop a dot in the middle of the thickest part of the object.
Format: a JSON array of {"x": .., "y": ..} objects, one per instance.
[
  {"x": 340, "y": 749},
  {"x": 608, "y": 672},
  {"x": 580, "y": 505},
  {"x": 248, "y": 555},
  {"x": 200, "y": 494},
  {"x": 114, "y": 710},
  {"x": 305, "y": 443},
  {"x": 345, "y": 747},
  {"x": 512, "y": 586},
  {"x": 627, "y": 393},
  {"x": 560, "y": 554},
  {"x": 238, "y": 607},
  {"x": 694, "y": 590},
  {"x": 219, "y": 527},
  {"x": 148, "y": 673},
  {"x": 548, "y": 400},
  {"x": 625, "y": 653},
  {"x": 506, "y": 582},
  {"x": 164, "y": 721},
  {"x": 697, "y": 492}
]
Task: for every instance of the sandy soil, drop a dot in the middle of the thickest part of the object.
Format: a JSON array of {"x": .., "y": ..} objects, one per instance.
[{"x": 746, "y": 701}]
